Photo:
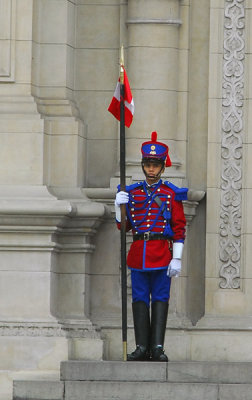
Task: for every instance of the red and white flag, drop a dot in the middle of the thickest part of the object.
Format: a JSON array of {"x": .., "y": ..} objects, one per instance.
[{"x": 114, "y": 106}]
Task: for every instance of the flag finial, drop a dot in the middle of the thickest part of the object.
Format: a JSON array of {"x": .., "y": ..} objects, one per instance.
[{"x": 122, "y": 66}]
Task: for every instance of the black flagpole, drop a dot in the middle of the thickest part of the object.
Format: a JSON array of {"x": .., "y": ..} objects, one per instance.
[{"x": 123, "y": 211}]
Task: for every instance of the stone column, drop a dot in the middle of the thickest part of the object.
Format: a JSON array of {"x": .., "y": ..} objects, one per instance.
[
  {"x": 152, "y": 65},
  {"x": 64, "y": 167},
  {"x": 53, "y": 87},
  {"x": 21, "y": 127}
]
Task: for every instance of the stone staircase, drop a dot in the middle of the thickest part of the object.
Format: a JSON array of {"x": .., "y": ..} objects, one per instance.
[{"x": 118, "y": 380}]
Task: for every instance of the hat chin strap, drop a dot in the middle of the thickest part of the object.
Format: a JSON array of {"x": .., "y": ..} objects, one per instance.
[{"x": 154, "y": 176}]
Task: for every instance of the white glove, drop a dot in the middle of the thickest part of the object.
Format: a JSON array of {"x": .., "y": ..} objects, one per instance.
[
  {"x": 174, "y": 268},
  {"x": 121, "y": 198}
]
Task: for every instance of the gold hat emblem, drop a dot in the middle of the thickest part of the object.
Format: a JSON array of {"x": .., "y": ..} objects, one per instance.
[{"x": 153, "y": 147}]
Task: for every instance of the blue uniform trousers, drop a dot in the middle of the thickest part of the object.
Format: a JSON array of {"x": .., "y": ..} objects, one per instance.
[{"x": 154, "y": 285}]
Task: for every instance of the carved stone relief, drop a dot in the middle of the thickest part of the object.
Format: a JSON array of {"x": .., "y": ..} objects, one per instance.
[{"x": 231, "y": 144}]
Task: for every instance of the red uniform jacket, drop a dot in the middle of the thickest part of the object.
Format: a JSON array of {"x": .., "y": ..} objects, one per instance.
[{"x": 147, "y": 214}]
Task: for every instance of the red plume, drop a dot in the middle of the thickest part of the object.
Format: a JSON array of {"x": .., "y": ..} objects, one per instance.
[
  {"x": 168, "y": 162},
  {"x": 154, "y": 136}
]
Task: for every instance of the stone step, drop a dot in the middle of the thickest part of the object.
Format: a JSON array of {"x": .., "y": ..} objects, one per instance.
[
  {"x": 106, "y": 390},
  {"x": 184, "y": 371},
  {"x": 117, "y": 380},
  {"x": 38, "y": 390},
  {"x": 86, "y": 390}
]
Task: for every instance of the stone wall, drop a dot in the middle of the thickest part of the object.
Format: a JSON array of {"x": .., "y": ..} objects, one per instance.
[{"x": 188, "y": 62}]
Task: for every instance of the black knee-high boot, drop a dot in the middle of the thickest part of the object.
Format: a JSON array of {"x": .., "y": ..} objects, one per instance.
[
  {"x": 141, "y": 318},
  {"x": 159, "y": 312}
]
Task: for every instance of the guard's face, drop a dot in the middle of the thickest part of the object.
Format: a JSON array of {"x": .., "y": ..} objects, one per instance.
[{"x": 153, "y": 170}]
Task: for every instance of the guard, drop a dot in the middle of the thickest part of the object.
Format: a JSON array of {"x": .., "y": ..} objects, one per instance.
[{"x": 156, "y": 217}]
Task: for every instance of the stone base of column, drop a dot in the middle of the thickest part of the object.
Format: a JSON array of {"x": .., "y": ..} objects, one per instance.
[
  {"x": 45, "y": 248},
  {"x": 208, "y": 341}
]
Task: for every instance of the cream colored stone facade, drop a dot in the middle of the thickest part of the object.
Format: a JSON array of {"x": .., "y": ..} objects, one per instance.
[{"x": 189, "y": 66}]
